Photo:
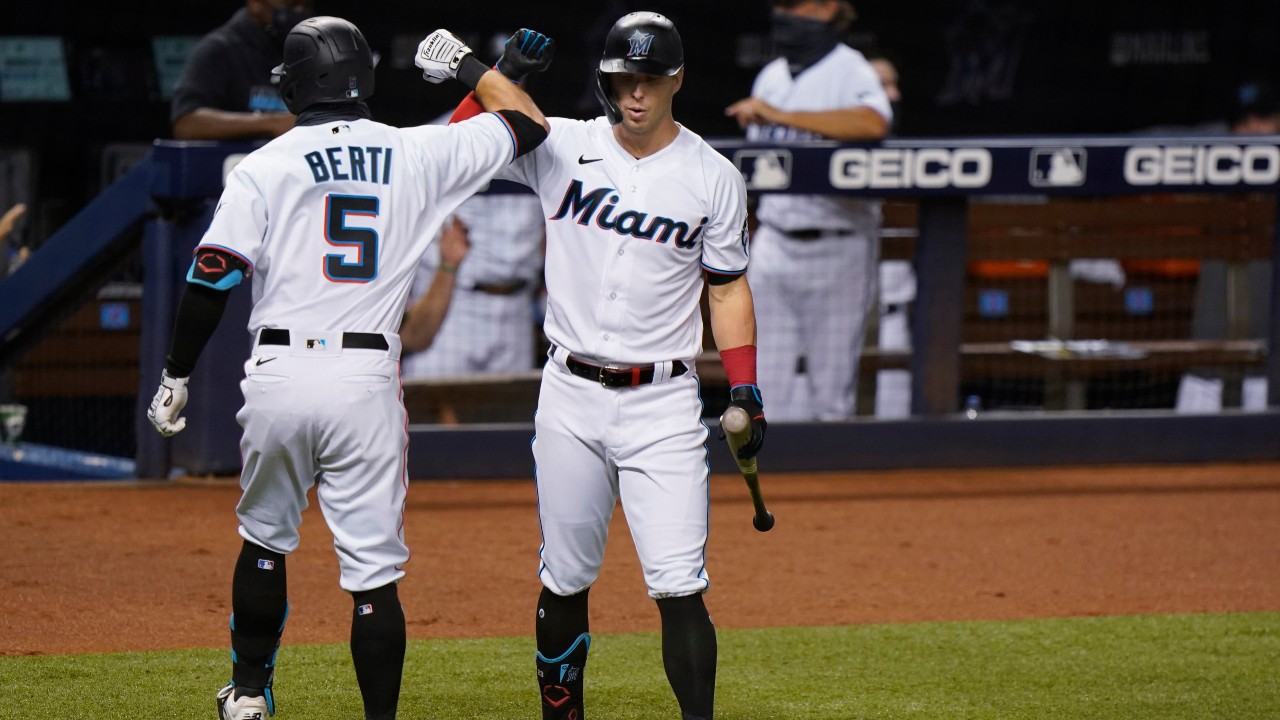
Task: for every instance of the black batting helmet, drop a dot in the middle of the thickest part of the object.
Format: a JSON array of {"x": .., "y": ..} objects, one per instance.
[
  {"x": 642, "y": 42},
  {"x": 326, "y": 60}
]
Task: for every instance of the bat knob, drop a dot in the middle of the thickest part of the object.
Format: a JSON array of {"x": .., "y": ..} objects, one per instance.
[{"x": 763, "y": 523}]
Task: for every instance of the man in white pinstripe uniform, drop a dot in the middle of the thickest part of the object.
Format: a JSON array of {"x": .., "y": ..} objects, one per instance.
[
  {"x": 814, "y": 261},
  {"x": 490, "y": 324}
]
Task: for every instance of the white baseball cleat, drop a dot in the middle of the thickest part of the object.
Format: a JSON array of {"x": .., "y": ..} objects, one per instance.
[{"x": 250, "y": 707}]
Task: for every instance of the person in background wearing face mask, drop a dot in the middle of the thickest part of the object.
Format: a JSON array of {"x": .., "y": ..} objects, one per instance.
[
  {"x": 227, "y": 91},
  {"x": 814, "y": 260}
]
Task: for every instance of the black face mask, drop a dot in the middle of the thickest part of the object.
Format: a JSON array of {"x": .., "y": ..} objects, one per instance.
[
  {"x": 282, "y": 21},
  {"x": 802, "y": 41}
]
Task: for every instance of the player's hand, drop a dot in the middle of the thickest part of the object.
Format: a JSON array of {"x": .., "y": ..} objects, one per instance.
[
  {"x": 170, "y": 398},
  {"x": 748, "y": 398},
  {"x": 455, "y": 242},
  {"x": 526, "y": 52},
  {"x": 10, "y": 218},
  {"x": 752, "y": 111},
  {"x": 440, "y": 55}
]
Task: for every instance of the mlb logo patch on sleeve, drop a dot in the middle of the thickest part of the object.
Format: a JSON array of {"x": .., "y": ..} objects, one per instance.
[
  {"x": 264, "y": 564},
  {"x": 365, "y": 609}
]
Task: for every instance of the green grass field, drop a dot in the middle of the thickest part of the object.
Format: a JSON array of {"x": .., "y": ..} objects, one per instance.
[{"x": 1220, "y": 667}]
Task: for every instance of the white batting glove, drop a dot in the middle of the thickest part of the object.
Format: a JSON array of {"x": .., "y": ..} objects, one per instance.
[
  {"x": 440, "y": 55},
  {"x": 167, "y": 404}
]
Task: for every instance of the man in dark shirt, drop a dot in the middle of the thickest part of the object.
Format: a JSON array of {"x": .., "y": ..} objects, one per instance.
[{"x": 227, "y": 91}]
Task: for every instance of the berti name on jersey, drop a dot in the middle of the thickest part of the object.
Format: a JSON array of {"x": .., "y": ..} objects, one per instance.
[{"x": 350, "y": 162}]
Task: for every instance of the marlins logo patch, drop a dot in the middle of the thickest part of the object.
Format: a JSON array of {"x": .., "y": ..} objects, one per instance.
[{"x": 641, "y": 43}]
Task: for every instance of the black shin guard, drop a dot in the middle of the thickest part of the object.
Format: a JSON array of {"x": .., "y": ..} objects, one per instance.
[
  {"x": 259, "y": 606},
  {"x": 689, "y": 654},
  {"x": 377, "y": 649},
  {"x": 562, "y": 631}
]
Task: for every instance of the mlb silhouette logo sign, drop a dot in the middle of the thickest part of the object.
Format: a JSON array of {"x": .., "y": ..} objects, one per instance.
[
  {"x": 1058, "y": 167},
  {"x": 764, "y": 169}
]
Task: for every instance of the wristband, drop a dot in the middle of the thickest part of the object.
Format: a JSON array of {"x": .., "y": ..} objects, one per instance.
[
  {"x": 470, "y": 71},
  {"x": 447, "y": 267},
  {"x": 740, "y": 365}
]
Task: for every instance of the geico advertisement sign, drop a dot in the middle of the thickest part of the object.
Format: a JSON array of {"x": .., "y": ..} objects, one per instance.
[
  {"x": 1202, "y": 165},
  {"x": 929, "y": 168}
]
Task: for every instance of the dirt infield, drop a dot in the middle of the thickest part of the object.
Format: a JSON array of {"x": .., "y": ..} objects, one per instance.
[{"x": 122, "y": 567}]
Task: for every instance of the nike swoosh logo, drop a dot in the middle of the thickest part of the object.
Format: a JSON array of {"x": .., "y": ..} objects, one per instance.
[
  {"x": 582, "y": 160},
  {"x": 263, "y": 360}
]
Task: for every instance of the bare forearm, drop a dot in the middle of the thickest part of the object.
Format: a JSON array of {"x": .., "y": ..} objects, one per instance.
[
  {"x": 849, "y": 124},
  {"x": 210, "y": 124},
  {"x": 495, "y": 92},
  {"x": 423, "y": 321},
  {"x": 733, "y": 316}
]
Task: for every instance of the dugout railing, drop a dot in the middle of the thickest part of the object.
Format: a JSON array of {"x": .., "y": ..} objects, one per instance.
[{"x": 946, "y": 184}]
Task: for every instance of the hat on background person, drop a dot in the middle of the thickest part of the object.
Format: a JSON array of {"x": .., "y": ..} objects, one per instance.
[{"x": 1254, "y": 107}]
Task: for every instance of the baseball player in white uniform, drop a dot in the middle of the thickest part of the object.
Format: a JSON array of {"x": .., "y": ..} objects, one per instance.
[
  {"x": 490, "y": 324},
  {"x": 815, "y": 257},
  {"x": 329, "y": 220},
  {"x": 639, "y": 211}
]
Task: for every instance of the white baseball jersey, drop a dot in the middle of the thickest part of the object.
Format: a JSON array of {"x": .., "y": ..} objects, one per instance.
[
  {"x": 333, "y": 219},
  {"x": 628, "y": 240},
  {"x": 812, "y": 295},
  {"x": 483, "y": 331},
  {"x": 841, "y": 79}
]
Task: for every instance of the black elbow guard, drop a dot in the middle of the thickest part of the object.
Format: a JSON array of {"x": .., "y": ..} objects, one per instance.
[{"x": 528, "y": 134}]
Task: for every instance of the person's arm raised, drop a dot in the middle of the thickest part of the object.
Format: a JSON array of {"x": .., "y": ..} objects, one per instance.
[{"x": 441, "y": 56}]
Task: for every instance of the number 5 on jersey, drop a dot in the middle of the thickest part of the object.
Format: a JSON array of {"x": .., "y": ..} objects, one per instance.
[{"x": 337, "y": 208}]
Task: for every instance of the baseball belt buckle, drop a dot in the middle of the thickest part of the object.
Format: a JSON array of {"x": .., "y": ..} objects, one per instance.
[{"x": 604, "y": 371}]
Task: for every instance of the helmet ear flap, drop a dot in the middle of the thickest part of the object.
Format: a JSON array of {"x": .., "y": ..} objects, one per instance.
[
  {"x": 288, "y": 94},
  {"x": 604, "y": 93}
]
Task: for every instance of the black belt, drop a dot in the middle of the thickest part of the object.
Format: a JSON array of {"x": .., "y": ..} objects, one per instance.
[
  {"x": 510, "y": 287},
  {"x": 815, "y": 233},
  {"x": 616, "y": 376},
  {"x": 353, "y": 340}
]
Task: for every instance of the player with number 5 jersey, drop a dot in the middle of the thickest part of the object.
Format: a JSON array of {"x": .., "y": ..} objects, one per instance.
[{"x": 329, "y": 221}]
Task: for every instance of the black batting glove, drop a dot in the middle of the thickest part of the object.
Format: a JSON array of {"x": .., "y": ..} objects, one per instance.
[
  {"x": 526, "y": 52},
  {"x": 748, "y": 398}
]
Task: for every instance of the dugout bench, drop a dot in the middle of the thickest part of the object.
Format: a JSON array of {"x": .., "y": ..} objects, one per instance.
[{"x": 1023, "y": 307}]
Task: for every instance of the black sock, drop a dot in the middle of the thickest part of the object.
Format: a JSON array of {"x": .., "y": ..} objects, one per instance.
[
  {"x": 561, "y": 619},
  {"x": 377, "y": 649},
  {"x": 563, "y": 636},
  {"x": 689, "y": 653},
  {"x": 259, "y": 606}
]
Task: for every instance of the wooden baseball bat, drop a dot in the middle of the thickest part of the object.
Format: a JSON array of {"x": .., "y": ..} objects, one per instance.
[{"x": 737, "y": 432}]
